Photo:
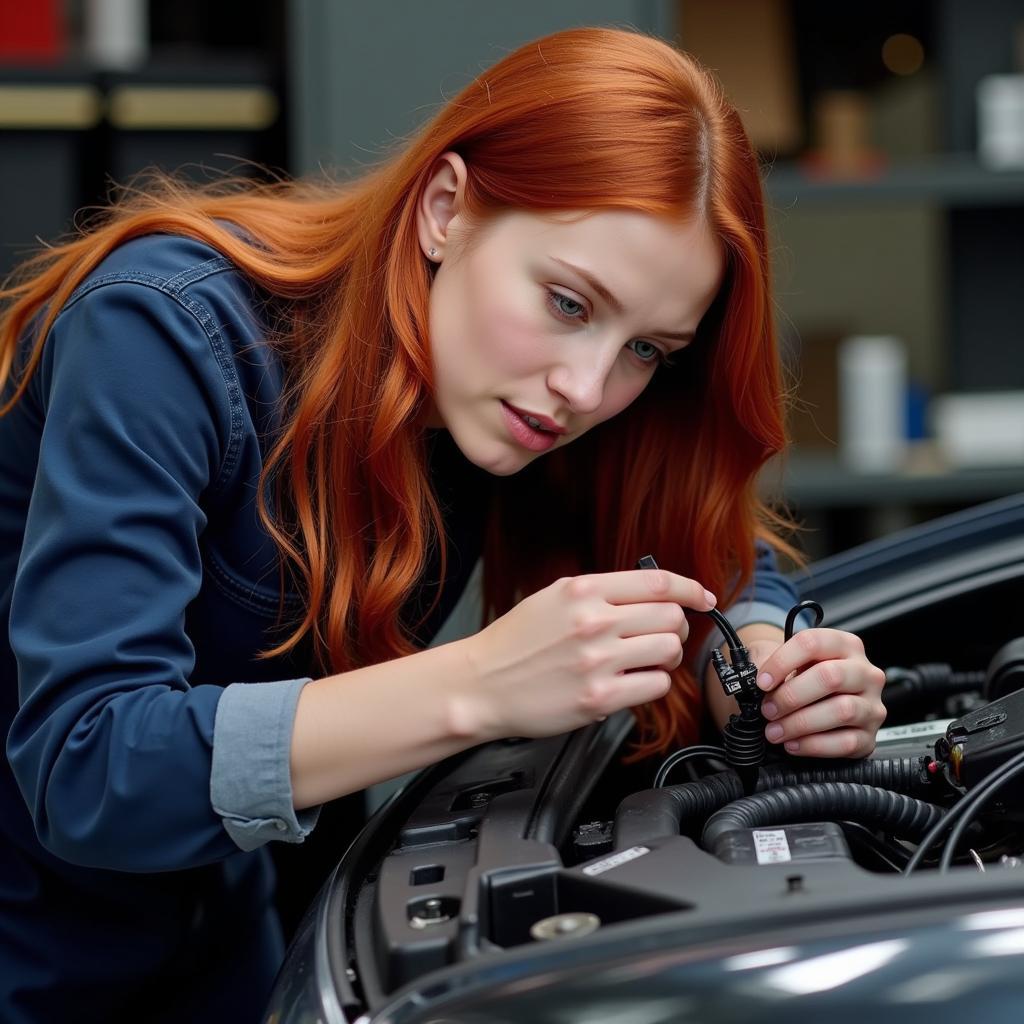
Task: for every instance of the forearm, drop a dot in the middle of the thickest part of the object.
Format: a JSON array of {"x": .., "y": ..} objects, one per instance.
[
  {"x": 721, "y": 706},
  {"x": 371, "y": 724}
]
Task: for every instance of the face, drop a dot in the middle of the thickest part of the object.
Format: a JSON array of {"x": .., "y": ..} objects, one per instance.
[{"x": 559, "y": 320}]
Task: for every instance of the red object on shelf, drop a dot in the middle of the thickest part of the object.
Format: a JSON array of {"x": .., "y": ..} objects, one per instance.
[{"x": 31, "y": 30}]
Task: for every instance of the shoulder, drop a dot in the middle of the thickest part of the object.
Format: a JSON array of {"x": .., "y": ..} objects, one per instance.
[
  {"x": 148, "y": 337},
  {"x": 193, "y": 297},
  {"x": 171, "y": 265},
  {"x": 170, "y": 321}
]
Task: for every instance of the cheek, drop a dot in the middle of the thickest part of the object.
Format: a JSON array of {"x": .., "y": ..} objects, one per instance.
[
  {"x": 510, "y": 341},
  {"x": 503, "y": 331},
  {"x": 486, "y": 338}
]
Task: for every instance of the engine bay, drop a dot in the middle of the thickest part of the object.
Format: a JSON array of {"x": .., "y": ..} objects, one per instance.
[
  {"x": 520, "y": 843},
  {"x": 529, "y": 841}
]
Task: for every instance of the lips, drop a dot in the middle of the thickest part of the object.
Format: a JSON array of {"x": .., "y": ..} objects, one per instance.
[
  {"x": 545, "y": 421},
  {"x": 529, "y": 437}
]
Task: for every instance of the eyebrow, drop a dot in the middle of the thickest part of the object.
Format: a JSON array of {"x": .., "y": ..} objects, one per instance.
[{"x": 614, "y": 302}]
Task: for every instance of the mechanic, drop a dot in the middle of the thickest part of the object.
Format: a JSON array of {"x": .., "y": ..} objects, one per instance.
[{"x": 250, "y": 430}]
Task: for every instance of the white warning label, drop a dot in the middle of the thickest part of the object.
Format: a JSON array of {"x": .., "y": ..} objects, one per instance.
[
  {"x": 771, "y": 846},
  {"x": 598, "y": 867},
  {"x": 919, "y": 730}
]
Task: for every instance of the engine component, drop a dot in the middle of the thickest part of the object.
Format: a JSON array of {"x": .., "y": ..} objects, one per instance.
[
  {"x": 655, "y": 813},
  {"x": 812, "y": 841},
  {"x": 592, "y": 839},
  {"x": 963, "y": 813},
  {"x": 893, "y": 812},
  {"x": 1006, "y": 670},
  {"x": 975, "y": 745},
  {"x": 931, "y": 679}
]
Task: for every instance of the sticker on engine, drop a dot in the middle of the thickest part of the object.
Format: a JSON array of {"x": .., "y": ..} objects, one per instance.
[
  {"x": 919, "y": 730},
  {"x": 615, "y": 860},
  {"x": 771, "y": 846}
]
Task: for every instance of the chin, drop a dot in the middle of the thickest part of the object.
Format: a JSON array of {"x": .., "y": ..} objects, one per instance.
[
  {"x": 498, "y": 462},
  {"x": 499, "y": 458}
]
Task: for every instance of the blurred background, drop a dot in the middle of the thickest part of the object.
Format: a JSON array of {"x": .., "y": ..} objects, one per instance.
[{"x": 892, "y": 135}]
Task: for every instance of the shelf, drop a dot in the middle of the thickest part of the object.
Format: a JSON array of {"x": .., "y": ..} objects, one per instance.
[
  {"x": 952, "y": 179},
  {"x": 50, "y": 107},
  {"x": 823, "y": 482},
  {"x": 184, "y": 90}
]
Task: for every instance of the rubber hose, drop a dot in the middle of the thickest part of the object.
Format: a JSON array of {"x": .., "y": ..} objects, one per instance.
[
  {"x": 929, "y": 679},
  {"x": 817, "y": 801},
  {"x": 655, "y": 813},
  {"x": 900, "y": 774}
]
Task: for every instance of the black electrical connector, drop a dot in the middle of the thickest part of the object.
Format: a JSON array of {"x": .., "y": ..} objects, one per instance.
[
  {"x": 984, "y": 740},
  {"x": 743, "y": 735},
  {"x": 981, "y": 753}
]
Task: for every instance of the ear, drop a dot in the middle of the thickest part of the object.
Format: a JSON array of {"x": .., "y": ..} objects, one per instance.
[{"x": 439, "y": 205}]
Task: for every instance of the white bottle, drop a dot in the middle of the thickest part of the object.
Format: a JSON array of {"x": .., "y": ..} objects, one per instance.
[
  {"x": 872, "y": 400},
  {"x": 1001, "y": 121},
  {"x": 116, "y": 33}
]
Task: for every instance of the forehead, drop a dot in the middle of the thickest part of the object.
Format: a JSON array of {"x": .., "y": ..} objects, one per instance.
[{"x": 631, "y": 252}]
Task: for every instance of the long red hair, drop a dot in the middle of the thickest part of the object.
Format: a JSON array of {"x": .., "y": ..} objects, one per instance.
[{"x": 584, "y": 119}]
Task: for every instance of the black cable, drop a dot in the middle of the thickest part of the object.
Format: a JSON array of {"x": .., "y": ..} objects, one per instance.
[
  {"x": 968, "y": 816},
  {"x": 743, "y": 735},
  {"x": 736, "y": 646},
  {"x": 735, "y": 643},
  {"x": 819, "y": 614},
  {"x": 962, "y": 808},
  {"x": 686, "y": 754}
]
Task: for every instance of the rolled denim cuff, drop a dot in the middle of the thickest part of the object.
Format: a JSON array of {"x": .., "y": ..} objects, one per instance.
[{"x": 250, "y": 780}]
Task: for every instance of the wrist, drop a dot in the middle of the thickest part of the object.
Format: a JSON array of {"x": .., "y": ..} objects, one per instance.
[{"x": 469, "y": 715}]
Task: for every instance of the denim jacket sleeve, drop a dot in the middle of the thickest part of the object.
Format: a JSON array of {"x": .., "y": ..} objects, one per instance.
[{"x": 113, "y": 749}]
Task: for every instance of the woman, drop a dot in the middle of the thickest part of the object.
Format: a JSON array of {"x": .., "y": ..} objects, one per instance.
[{"x": 250, "y": 432}]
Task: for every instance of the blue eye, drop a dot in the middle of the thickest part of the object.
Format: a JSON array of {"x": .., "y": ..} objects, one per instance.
[
  {"x": 650, "y": 354},
  {"x": 556, "y": 298}
]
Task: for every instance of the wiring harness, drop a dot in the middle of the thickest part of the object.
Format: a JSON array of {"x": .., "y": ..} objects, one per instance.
[{"x": 743, "y": 736}]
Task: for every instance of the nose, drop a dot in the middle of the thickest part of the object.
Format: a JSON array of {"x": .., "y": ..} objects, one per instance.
[{"x": 579, "y": 377}]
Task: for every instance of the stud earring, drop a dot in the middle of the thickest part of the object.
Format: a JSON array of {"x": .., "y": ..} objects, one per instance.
[{"x": 432, "y": 251}]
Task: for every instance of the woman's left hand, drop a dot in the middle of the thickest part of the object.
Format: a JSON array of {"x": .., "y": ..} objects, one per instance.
[{"x": 823, "y": 698}]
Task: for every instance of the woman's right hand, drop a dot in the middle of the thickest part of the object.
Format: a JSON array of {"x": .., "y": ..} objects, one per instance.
[{"x": 576, "y": 651}]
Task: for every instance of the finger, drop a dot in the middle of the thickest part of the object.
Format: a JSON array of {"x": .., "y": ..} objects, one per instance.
[
  {"x": 845, "y": 711},
  {"x": 806, "y": 648},
  {"x": 634, "y": 586},
  {"x": 659, "y": 617},
  {"x": 836, "y": 743},
  {"x": 652, "y": 650},
  {"x": 846, "y": 675},
  {"x": 646, "y": 685}
]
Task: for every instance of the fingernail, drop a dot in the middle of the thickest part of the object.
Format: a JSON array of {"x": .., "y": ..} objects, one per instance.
[
  {"x": 711, "y": 599},
  {"x": 774, "y": 732},
  {"x": 793, "y": 746},
  {"x": 764, "y": 680},
  {"x": 769, "y": 709}
]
